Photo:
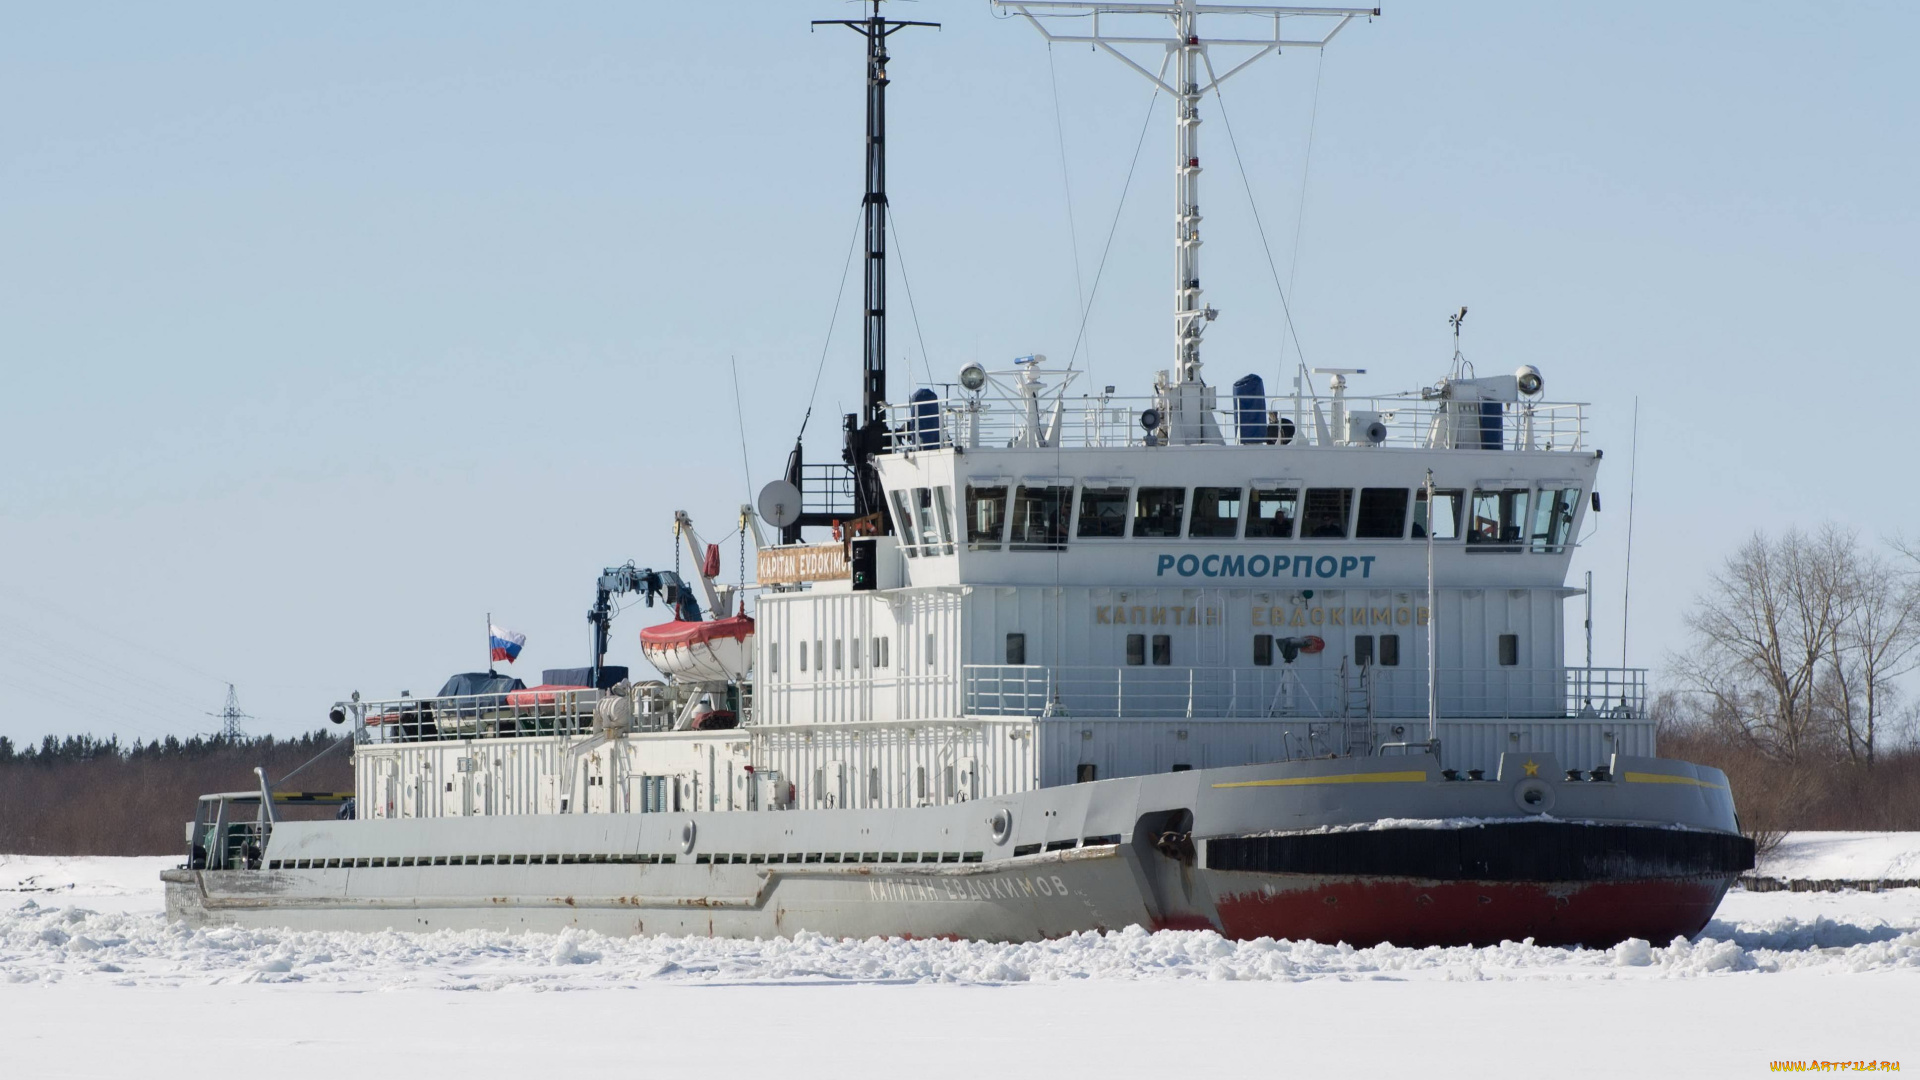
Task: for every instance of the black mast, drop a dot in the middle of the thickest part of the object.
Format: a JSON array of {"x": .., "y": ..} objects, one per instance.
[{"x": 866, "y": 431}]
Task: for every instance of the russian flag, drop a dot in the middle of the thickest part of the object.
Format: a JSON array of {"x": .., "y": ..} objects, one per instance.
[{"x": 506, "y": 644}]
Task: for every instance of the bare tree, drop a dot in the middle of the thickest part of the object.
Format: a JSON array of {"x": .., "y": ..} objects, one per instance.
[
  {"x": 1765, "y": 634},
  {"x": 1877, "y": 644}
]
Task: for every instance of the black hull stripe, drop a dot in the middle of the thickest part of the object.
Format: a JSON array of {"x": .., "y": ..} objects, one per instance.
[{"x": 1526, "y": 851}]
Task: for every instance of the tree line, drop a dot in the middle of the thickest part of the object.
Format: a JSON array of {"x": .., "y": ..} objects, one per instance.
[
  {"x": 80, "y": 795},
  {"x": 1796, "y": 682}
]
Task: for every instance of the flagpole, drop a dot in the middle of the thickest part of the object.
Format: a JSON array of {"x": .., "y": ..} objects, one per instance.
[{"x": 490, "y": 670}]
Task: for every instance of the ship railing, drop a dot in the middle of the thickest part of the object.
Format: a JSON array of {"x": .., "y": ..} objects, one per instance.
[
  {"x": 1287, "y": 691},
  {"x": 218, "y": 838},
  {"x": 475, "y": 716},
  {"x": 1610, "y": 693},
  {"x": 1404, "y": 420}
]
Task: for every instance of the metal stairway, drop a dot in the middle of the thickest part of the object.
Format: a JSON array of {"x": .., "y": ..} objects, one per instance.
[{"x": 1356, "y": 708}]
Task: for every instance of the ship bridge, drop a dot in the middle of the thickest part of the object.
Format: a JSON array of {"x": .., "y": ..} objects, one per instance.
[{"x": 1169, "y": 581}]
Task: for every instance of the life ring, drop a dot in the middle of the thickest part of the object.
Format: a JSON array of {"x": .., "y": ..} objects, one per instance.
[
  {"x": 1533, "y": 795},
  {"x": 1002, "y": 824}
]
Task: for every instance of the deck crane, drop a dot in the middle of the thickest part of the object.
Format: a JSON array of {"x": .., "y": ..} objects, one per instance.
[
  {"x": 721, "y": 599},
  {"x": 619, "y": 580}
]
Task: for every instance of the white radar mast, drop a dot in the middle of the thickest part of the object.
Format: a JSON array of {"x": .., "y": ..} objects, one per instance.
[{"x": 1193, "y": 78}]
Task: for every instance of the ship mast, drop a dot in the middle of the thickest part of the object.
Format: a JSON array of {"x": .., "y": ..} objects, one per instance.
[
  {"x": 1193, "y": 78},
  {"x": 866, "y": 431}
]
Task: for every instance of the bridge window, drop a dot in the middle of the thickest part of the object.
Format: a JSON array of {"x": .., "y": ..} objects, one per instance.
[
  {"x": 903, "y": 520},
  {"x": 1157, "y": 511},
  {"x": 1162, "y": 650},
  {"x": 1363, "y": 650},
  {"x": 1499, "y": 516},
  {"x": 986, "y": 517},
  {"x": 1389, "y": 650},
  {"x": 1383, "y": 514},
  {"x": 1263, "y": 650},
  {"x": 1553, "y": 518},
  {"x": 1136, "y": 649},
  {"x": 1327, "y": 512},
  {"x": 923, "y": 506},
  {"x": 1016, "y": 649},
  {"x": 803, "y": 656},
  {"x": 1103, "y": 512},
  {"x": 1271, "y": 511},
  {"x": 1040, "y": 518},
  {"x": 1446, "y": 514},
  {"x": 1509, "y": 650},
  {"x": 837, "y": 651},
  {"x": 853, "y": 653},
  {"x": 1216, "y": 512},
  {"x": 943, "y": 501},
  {"x": 773, "y": 658}
]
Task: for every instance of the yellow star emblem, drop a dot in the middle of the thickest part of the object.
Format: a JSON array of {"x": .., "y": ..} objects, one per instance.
[{"x": 1532, "y": 769}]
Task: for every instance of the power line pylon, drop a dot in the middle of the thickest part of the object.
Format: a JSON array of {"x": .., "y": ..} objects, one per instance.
[{"x": 230, "y": 717}]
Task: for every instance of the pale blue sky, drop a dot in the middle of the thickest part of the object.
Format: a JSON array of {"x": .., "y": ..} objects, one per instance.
[{"x": 326, "y": 330}]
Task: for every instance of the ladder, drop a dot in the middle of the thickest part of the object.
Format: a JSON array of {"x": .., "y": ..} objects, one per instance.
[{"x": 1356, "y": 707}]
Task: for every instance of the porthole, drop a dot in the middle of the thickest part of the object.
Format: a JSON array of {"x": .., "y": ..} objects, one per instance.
[
  {"x": 1533, "y": 796},
  {"x": 1002, "y": 825}
]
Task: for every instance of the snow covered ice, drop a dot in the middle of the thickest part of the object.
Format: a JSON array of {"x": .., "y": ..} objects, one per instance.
[
  {"x": 90, "y": 971},
  {"x": 56, "y": 942}
]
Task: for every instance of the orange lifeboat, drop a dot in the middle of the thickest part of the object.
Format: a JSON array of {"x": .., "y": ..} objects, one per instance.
[{"x": 719, "y": 650}]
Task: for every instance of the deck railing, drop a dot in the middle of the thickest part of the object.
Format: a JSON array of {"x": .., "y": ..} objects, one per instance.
[
  {"x": 518, "y": 712},
  {"x": 1406, "y": 421},
  {"x": 1287, "y": 691}
]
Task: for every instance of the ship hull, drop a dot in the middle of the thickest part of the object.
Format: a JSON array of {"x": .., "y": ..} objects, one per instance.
[
  {"x": 1092, "y": 891},
  {"x": 1315, "y": 850},
  {"x": 1411, "y": 911}
]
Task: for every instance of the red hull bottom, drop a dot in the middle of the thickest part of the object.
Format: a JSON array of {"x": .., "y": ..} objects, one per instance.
[{"x": 1421, "y": 913}]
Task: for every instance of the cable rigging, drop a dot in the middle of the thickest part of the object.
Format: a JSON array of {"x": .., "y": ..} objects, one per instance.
[
  {"x": 1126, "y": 187},
  {"x": 834, "y": 321},
  {"x": 1265, "y": 246},
  {"x": 1300, "y": 209},
  {"x": 1066, "y": 183},
  {"x": 900, "y": 255}
]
